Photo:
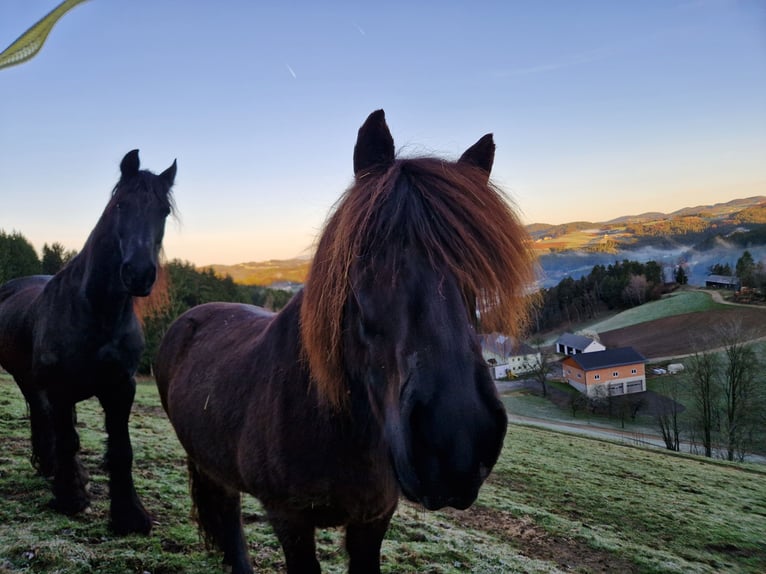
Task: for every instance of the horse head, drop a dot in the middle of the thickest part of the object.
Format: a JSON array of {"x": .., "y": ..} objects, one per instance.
[
  {"x": 140, "y": 204},
  {"x": 429, "y": 240}
]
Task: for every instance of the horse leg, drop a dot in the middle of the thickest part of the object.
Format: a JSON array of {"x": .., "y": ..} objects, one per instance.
[
  {"x": 217, "y": 511},
  {"x": 127, "y": 513},
  {"x": 43, "y": 437},
  {"x": 297, "y": 539},
  {"x": 70, "y": 495},
  {"x": 363, "y": 542}
]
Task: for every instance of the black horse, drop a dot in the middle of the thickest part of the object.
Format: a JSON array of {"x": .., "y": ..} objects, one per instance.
[
  {"x": 75, "y": 335},
  {"x": 369, "y": 380}
]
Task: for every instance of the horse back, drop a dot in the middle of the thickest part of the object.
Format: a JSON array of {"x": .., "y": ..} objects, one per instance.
[
  {"x": 203, "y": 381},
  {"x": 198, "y": 333},
  {"x": 17, "y": 303}
]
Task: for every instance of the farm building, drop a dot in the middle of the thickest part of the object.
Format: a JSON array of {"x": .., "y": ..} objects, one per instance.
[
  {"x": 569, "y": 344},
  {"x": 505, "y": 354},
  {"x": 611, "y": 372},
  {"x": 722, "y": 282}
]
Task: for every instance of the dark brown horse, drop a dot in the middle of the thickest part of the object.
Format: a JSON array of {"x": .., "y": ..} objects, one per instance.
[
  {"x": 371, "y": 380},
  {"x": 75, "y": 335}
]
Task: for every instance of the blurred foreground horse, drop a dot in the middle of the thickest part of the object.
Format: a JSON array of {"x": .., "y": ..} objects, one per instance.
[
  {"x": 371, "y": 380},
  {"x": 75, "y": 335}
]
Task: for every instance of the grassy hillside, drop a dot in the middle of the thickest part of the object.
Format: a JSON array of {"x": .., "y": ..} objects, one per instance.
[
  {"x": 555, "y": 503},
  {"x": 675, "y": 304}
]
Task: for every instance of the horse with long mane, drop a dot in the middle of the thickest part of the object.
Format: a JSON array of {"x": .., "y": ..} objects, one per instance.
[
  {"x": 371, "y": 380},
  {"x": 74, "y": 335}
]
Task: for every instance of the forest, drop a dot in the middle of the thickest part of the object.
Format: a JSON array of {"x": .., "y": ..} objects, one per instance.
[{"x": 621, "y": 285}]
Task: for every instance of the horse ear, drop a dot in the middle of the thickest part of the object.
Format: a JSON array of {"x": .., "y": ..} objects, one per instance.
[
  {"x": 481, "y": 154},
  {"x": 129, "y": 164},
  {"x": 169, "y": 175},
  {"x": 374, "y": 144}
]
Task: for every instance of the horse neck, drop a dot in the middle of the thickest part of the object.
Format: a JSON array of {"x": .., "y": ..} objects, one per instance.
[{"x": 96, "y": 271}]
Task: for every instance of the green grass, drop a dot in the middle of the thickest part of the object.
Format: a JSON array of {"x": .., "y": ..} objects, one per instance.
[
  {"x": 675, "y": 304},
  {"x": 555, "y": 503}
]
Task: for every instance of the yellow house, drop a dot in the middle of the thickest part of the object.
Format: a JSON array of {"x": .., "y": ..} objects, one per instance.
[{"x": 609, "y": 373}]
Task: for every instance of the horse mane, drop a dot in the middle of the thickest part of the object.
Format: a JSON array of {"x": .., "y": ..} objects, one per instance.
[{"x": 464, "y": 224}]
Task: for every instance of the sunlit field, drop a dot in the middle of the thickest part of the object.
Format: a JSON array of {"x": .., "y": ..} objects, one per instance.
[{"x": 555, "y": 503}]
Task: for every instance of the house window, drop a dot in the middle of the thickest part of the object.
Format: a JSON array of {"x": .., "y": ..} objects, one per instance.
[
  {"x": 616, "y": 374},
  {"x": 579, "y": 375},
  {"x": 633, "y": 371},
  {"x": 596, "y": 377}
]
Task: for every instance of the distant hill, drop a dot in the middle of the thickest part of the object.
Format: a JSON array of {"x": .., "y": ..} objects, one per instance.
[
  {"x": 266, "y": 273},
  {"x": 690, "y": 226},
  {"x": 570, "y": 249}
]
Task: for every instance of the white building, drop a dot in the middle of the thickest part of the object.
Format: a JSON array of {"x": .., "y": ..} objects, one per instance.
[
  {"x": 507, "y": 356},
  {"x": 569, "y": 344}
]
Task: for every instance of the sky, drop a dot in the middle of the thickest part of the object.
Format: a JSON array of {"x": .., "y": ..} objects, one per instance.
[{"x": 598, "y": 108}]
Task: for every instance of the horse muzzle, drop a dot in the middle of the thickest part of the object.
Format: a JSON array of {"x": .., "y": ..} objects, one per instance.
[
  {"x": 442, "y": 456},
  {"x": 138, "y": 280}
]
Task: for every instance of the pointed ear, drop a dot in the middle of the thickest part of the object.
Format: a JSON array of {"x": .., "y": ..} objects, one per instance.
[
  {"x": 129, "y": 164},
  {"x": 169, "y": 175},
  {"x": 374, "y": 144},
  {"x": 481, "y": 154}
]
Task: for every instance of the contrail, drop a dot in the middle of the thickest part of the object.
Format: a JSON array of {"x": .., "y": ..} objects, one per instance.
[{"x": 292, "y": 73}]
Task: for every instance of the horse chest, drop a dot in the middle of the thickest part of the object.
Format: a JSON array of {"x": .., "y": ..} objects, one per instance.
[
  {"x": 86, "y": 359},
  {"x": 325, "y": 479}
]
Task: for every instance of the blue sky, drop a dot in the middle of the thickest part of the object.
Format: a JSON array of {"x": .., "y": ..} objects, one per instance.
[{"x": 599, "y": 108}]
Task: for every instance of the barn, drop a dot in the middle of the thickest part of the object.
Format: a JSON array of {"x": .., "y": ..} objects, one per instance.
[{"x": 609, "y": 373}]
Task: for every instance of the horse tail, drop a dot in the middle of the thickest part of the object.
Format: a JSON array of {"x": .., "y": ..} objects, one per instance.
[{"x": 213, "y": 507}]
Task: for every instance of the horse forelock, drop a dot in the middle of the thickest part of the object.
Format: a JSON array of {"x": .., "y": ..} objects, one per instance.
[
  {"x": 145, "y": 182},
  {"x": 463, "y": 224}
]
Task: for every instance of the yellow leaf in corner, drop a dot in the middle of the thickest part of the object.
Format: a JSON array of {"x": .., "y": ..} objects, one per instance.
[{"x": 30, "y": 42}]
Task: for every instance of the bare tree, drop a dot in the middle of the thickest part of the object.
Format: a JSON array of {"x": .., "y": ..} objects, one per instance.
[
  {"x": 667, "y": 415},
  {"x": 702, "y": 375},
  {"x": 542, "y": 367},
  {"x": 635, "y": 291},
  {"x": 727, "y": 400},
  {"x": 577, "y": 402},
  {"x": 742, "y": 397}
]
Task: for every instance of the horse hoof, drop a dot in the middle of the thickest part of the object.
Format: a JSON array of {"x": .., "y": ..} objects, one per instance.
[
  {"x": 135, "y": 521},
  {"x": 69, "y": 506}
]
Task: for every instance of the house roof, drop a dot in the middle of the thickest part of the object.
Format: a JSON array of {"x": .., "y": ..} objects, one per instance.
[
  {"x": 722, "y": 279},
  {"x": 504, "y": 345},
  {"x": 574, "y": 341},
  {"x": 608, "y": 358}
]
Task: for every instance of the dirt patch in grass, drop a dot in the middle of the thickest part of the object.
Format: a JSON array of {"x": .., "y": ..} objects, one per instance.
[
  {"x": 149, "y": 410},
  {"x": 534, "y": 542},
  {"x": 684, "y": 334}
]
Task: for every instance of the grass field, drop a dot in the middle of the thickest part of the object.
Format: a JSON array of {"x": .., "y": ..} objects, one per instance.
[
  {"x": 674, "y": 304},
  {"x": 555, "y": 503}
]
